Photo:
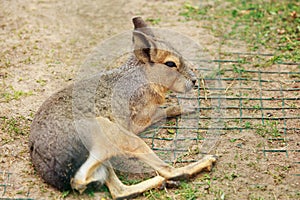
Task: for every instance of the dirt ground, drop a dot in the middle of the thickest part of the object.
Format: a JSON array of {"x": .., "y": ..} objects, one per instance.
[{"x": 44, "y": 43}]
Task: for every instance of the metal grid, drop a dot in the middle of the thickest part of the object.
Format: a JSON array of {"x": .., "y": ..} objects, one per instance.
[
  {"x": 6, "y": 185},
  {"x": 250, "y": 92},
  {"x": 5, "y": 180}
]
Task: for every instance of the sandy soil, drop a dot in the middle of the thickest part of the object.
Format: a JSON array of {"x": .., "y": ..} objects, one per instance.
[{"x": 44, "y": 43}]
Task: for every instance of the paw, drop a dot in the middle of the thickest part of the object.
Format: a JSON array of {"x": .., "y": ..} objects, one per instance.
[
  {"x": 211, "y": 159},
  {"x": 173, "y": 111},
  {"x": 188, "y": 110},
  {"x": 78, "y": 185}
]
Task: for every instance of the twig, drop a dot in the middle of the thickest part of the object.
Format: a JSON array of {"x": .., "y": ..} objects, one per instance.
[{"x": 231, "y": 84}]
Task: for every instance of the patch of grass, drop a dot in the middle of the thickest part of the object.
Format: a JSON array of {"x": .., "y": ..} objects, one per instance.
[
  {"x": 247, "y": 125},
  {"x": 171, "y": 131},
  {"x": 42, "y": 82},
  {"x": 191, "y": 12},
  {"x": 170, "y": 123},
  {"x": 231, "y": 176},
  {"x": 156, "y": 194},
  {"x": 128, "y": 181},
  {"x": 219, "y": 194},
  {"x": 12, "y": 94},
  {"x": 272, "y": 25},
  {"x": 268, "y": 129},
  {"x": 187, "y": 191},
  {"x": 64, "y": 194},
  {"x": 233, "y": 139},
  {"x": 261, "y": 24},
  {"x": 153, "y": 21},
  {"x": 258, "y": 107},
  {"x": 15, "y": 126},
  {"x": 238, "y": 69}
]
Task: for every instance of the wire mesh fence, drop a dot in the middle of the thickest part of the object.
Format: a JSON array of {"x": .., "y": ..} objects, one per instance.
[
  {"x": 6, "y": 184},
  {"x": 236, "y": 93},
  {"x": 5, "y": 181}
]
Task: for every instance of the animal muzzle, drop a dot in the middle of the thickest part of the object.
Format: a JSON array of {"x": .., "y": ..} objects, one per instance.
[
  {"x": 193, "y": 79},
  {"x": 190, "y": 84}
]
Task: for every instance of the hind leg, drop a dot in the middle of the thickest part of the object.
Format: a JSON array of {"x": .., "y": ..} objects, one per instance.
[
  {"x": 130, "y": 144},
  {"x": 145, "y": 154},
  {"x": 102, "y": 146},
  {"x": 92, "y": 135},
  {"x": 92, "y": 170},
  {"x": 116, "y": 140},
  {"x": 120, "y": 191}
]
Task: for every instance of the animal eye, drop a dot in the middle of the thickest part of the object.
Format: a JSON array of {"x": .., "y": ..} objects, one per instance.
[{"x": 170, "y": 64}]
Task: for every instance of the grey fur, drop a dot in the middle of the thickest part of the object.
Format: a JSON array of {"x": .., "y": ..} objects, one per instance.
[{"x": 57, "y": 147}]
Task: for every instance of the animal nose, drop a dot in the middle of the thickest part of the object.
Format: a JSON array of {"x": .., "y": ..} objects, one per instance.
[{"x": 194, "y": 80}]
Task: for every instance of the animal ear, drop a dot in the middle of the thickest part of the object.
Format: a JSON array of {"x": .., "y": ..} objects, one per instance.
[
  {"x": 144, "y": 46},
  {"x": 140, "y": 25}
]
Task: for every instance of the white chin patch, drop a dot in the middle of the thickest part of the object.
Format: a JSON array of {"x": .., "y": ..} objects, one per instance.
[{"x": 188, "y": 85}]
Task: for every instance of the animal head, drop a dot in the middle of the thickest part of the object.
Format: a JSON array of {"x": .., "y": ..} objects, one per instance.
[{"x": 164, "y": 66}]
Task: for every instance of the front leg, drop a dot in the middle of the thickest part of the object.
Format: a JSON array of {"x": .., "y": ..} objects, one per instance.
[
  {"x": 152, "y": 113},
  {"x": 171, "y": 111}
]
